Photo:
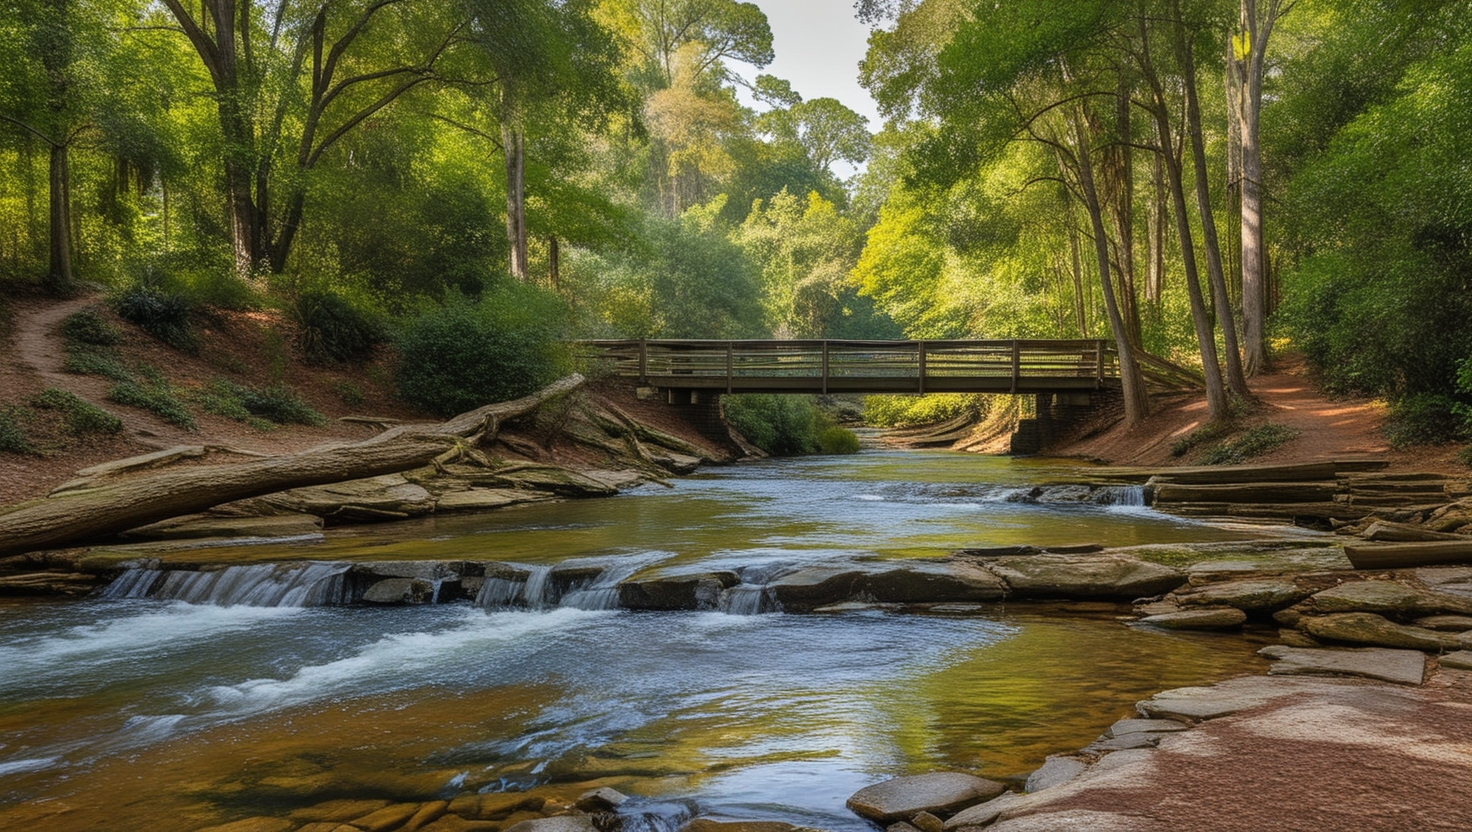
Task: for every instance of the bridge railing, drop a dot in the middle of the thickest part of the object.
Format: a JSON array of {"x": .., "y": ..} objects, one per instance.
[{"x": 875, "y": 366}]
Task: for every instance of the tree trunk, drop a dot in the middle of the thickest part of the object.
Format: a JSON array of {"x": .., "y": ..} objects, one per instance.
[
  {"x": 75, "y": 516},
  {"x": 1236, "y": 381},
  {"x": 1155, "y": 277},
  {"x": 1080, "y": 313},
  {"x": 59, "y": 272},
  {"x": 1136, "y": 397},
  {"x": 1123, "y": 204},
  {"x": 513, "y": 141},
  {"x": 1255, "y": 30},
  {"x": 554, "y": 274}
]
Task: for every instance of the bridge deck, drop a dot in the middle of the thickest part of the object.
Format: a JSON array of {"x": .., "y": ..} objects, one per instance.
[{"x": 825, "y": 366}]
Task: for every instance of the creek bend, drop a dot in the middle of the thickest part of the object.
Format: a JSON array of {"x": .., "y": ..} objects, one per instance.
[{"x": 146, "y": 713}]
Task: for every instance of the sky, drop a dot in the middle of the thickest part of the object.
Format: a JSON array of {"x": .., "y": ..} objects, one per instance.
[{"x": 819, "y": 44}]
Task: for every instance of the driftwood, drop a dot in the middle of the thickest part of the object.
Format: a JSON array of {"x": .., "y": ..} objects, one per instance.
[{"x": 118, "y": 504}]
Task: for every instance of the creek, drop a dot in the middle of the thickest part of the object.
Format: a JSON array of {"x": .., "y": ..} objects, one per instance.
[{"x": 208, "y": 703}]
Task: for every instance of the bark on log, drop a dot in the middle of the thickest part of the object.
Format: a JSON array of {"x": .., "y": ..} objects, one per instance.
[{"x": 78, "y": 515}]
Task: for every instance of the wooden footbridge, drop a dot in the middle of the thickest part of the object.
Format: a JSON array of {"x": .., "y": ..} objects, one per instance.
[{"x": 827, "y": 366}]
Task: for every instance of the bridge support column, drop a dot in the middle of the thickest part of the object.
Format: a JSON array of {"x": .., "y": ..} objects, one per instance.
[
  {"x": 1060, "y": 417},
  {"x": 702, "y": 408}
]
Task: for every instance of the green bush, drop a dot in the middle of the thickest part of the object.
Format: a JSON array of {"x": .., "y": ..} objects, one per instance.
[
  {"x": 276, "y": 405},
  {"x": 80, "y": 417},
  {"x": 1210, "y": 432},
  {"x": 350, "y": 393},
  {"x": 465, "y": 354},
  {"x": 1423, "y": 419},
  {"x": 913, "y": 411},
  {"x": 332, "y": 329},
  {"x": 96, "y": 363},
  {"x": 778, "y": 424},
  {"x": 167, "y": 316},
  {"x": 838, "y": 440},
  {"x": 90, "y": 329},
  {"x": 156, "y": 398},
  {"x": 1251, "y": 443},
  {"x": 13, "y": 438}
]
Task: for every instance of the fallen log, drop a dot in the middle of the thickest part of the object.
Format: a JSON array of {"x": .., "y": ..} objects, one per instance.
[{"x": 117, "y": 505}]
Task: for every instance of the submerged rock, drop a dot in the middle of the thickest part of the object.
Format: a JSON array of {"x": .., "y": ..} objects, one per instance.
[
  {"x": 601, "y": 800},
  {"x": 1208, "y": 619},
  {"x": 561, "y": 823},
  {"x": 393, "y": 591},
  {"x": 938, "y": 793}
]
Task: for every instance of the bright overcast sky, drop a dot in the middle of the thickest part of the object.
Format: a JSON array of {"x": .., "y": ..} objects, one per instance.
[{"x": 819, "y": 44}]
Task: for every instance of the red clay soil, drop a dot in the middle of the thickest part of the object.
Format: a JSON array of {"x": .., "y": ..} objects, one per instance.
[{"x": 1327, "y": 428}]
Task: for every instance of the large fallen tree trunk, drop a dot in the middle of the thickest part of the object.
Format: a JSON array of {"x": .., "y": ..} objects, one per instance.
[{"x": 117, "y": 504}]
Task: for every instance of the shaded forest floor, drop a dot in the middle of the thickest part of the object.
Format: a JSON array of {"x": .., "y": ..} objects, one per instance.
[{"x": 1324, "y": 427}]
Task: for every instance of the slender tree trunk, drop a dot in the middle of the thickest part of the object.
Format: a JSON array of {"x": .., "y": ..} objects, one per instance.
[
  {"x": 1155, "y": 271},
  {"x": 1234, "y": 179},
  {"x": 1136, "y": 397},
  {"x": 291, "y": 223},
  {"x": 1236, "y": 381},
  {"x": 1255, "y": 29},
  {"x": 59, "y": 271},
  {"x": 1081, "y": 314},
  {"x": 554, "y": 272},
  {"x": 1123, "y": 204},
  {"x": 513, "y": 141}
]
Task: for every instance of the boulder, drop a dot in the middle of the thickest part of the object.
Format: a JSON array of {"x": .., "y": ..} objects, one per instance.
[
  {"x": 926, "y": 822},
  {"x": 676, "y": 592},
  {"x": 601, "y": 800},
  {"x": 1406, "y": 667},
  {"x": 494, "y": 805},
  {"x": 1123, "y": 742},
  {"x": 561, "y": 823},
  {"x": 394, "y": 591},
  {"x": 941, "y": 793},
  {"x": 1378, "y": 631},
  {"x": 1247, "y": 595},
  {"x": 982, "y": 814},
  {"x": 819, "y": 586},
  {"x": 1460, "y": 660},
  {"x": 1055, "y": 772},
  {"x": 922, "y": 582},
  {"x": 1446, "y": 623},
  {"x": 389, "y": 817},
  {"x": 1111, "y": 577},
  {"x": 1390, "y": 597},
  {"x": 1217, "y": 618}
]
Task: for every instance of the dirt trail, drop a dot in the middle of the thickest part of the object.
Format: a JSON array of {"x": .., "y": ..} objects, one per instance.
[{"x": 1327, "y": 428}]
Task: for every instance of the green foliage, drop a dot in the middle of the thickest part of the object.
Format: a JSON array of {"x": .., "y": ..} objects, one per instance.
[
  {"x": 1209, "y": 432},
  {"x": 838, "y": 440},
  {"x": 1423, "y": 419},
  {"x": 96, "y": 363},
  {"x": 465, "y": 354},
  {"x": 276, "y": 404},
  {"x": 80, "y": 417},
  {"x": 87, "y": 328},
  {"x": 333, "y": 329},
  {"x": 156, "y": 398},
  {"x": 778, "y": 424},
  {"x": 167, "y": 316},
  {"x": 1253, "y": 442},
  {"x": 912, "y": 411},
  {"x": 13, "y": 437},
  {"x": 350, "y": 393}
]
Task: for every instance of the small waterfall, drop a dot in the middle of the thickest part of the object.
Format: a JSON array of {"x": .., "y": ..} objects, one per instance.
[
  {"x": 601, "y": 593},
  {"x": 754, "y": 594},
  {"x": 260, "y": 585},
  {"x": 521, "y": 589},
  {"x": 1121, "y": 495}
]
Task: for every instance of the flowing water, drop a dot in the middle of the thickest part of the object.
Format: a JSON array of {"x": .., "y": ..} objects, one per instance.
[{"x": 184, "y": 699}]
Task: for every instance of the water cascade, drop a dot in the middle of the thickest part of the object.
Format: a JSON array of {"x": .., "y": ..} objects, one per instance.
[{"x": 256, "y": 585}]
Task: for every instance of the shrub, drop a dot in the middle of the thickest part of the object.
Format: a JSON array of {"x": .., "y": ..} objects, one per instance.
[
  {"x": 167, "y": 316},
  {"x": 1252, "y": 443},
  {"x": 276, "y": 405},
  {"x": 156, "y": 398},
  {"x": 332, "y": 329},
  {"x": 465, "y": 354},
  {"x": 838, "y": 440},
  {"x": 12, "y": 437},
  {"x": 90, "y": 329},
  {"x": 96, "y": 363},
  {"x": 778, "y": 424},
  {"x": 81, "y": 417},
  {"x": 1422, "y": 419},
  {"x": 1209, "y": 432},
  {"x": 913, "y": 411},
  {"x": 350, "y": 393}
]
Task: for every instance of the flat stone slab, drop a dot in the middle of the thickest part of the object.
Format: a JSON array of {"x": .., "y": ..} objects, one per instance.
[
  {"x": 1248, "y": 595},
  {"x": 942, "y": 792},
  {"x": 1055, "y": 772},
  {"x": 1145, "y": 726},
  {"x": 1460, "y": 660},
  {"x": 1369, "y": 628},
  {"x": 1388, "y": 597},
  {"x": 561, "y": 823},
  {"x": 1219, "y": 618},
  {"x": 1405, "y": 667},
  {"x": 1122, "y": 742},
  {"x": 1194, "y": 704},
  {"x": 1108, "y": 577},
  {"x": 484, "y": 499},
  {"x": 1446, "y": 623}
]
